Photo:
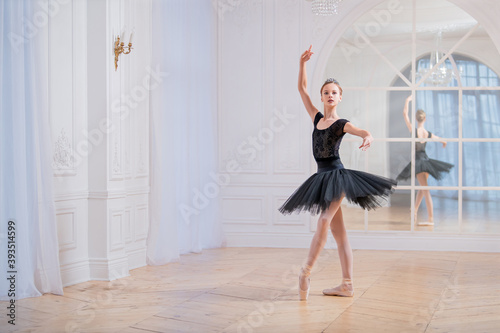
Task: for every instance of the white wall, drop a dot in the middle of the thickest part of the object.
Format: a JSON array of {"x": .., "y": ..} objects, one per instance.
[
  {"x": 259, "y": 47},
  {"x": 101, "y": 173},
  {"x": 261, "y": 122}
]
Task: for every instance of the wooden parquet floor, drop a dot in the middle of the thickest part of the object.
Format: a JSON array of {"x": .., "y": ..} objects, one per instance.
[{"x": 255, "y": 290}]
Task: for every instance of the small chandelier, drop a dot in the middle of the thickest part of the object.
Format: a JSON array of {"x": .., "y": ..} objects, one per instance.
[
  {"x": 442, "y": 75},
  {"x": 325, "y": 7}
]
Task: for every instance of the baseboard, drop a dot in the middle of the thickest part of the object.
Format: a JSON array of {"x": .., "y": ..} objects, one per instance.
[
  {"x": 102, "y": 269},
  {"x": 108, "y": 269},
  {"x": 75, "y": 272},
  {"x": 137, "y": 258},
  {"x": 404, "y": 241}
]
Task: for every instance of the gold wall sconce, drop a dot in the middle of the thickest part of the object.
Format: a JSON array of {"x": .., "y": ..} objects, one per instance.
[{"x": 121, "y": 48}]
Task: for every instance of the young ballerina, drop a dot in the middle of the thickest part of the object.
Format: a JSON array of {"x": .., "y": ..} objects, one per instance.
[
  {"x": 323, "y": 192},
  {"x": 424, "y": 166}
]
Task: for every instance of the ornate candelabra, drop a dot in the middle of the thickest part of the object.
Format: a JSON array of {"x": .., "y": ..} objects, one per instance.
[{"x": 121, "y": 48}]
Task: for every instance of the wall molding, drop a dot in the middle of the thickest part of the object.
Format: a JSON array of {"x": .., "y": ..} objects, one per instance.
[
  {"x": 68, "y": 196},
  {"x": 258, "y": 219},
  {"x": 292, "y": 220},
  {"x": 62, "y": 159},
  {"x": 117, "y": 194},
  {"x": 141, "y": 229},
  {"x": 111, "y": 194},
  {"x": 71, "y": 243},
  {"x": 127, "y": 225},
  {"x": 116, "y": 222}
]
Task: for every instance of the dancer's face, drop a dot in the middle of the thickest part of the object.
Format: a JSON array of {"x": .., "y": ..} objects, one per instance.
[{"x": 331, "y": 95}]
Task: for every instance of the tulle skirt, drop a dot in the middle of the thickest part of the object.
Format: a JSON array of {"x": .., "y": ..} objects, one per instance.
[
  {"x": 423, "y": 163},
  {"x": 331, "y": 182}
]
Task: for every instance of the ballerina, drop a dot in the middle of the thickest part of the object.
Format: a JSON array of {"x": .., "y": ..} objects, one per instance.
[
  {"x": 323, "y": 192},
  {"x": 424, "y": 166}
]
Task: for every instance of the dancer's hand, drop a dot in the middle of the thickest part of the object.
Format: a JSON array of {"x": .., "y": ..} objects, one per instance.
[
  {"x": 367, "y": 141},
  {"x": 306, "y": 55},
  {"x": 434, "y": 136},
  {"x": 302, "y": 84},
  {"x": 364, "y": 134}
]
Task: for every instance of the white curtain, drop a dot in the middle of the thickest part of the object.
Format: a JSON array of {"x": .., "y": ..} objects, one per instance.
[
  {"x": 25, "y": 152},
  {"x": 184, "y": 180}
]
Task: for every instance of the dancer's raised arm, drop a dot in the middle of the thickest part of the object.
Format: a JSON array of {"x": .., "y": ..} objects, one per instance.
[
  {"x": 306, "y": 99},
  {"x": 405, "y": 113}
]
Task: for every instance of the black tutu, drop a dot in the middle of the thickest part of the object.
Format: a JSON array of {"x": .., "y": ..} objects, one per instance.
[
  {"x": 423, "y": 163},
  {"x": 331, "y": 182}
]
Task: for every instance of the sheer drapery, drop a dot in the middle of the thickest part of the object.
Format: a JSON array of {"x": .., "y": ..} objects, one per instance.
[
  {"x": 184, "y": 179},
  {"x": 25, "y": 151}
]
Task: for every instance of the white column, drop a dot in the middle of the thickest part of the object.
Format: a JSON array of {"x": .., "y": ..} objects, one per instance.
[{"x": 118, "y": 112}]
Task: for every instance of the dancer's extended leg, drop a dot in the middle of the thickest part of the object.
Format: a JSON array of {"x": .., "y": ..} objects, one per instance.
[
  {"x": 422, "y": 179},
  {"x": 345, "y": 255},
  {"x": 317, "y": 244},
  {"x": 418, "y": 200},
  {"x": 420, "y": 195}
]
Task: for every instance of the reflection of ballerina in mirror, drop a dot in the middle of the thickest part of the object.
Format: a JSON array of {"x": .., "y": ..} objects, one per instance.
[{"x": 424, "y": 166}]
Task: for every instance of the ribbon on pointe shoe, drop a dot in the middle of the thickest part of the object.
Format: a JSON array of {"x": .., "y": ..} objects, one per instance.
[{"x": 304, "y": 272}]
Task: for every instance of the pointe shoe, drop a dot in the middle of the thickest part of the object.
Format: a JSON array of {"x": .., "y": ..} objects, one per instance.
[
  {"x": 342, "y": 290},
  {"x": 304, "y": 294},
  {"x": 426, "y": 223}
]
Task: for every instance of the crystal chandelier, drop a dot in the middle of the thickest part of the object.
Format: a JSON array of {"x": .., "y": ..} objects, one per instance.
[
  {"x": 442, "y": 75},
  {"x": 325, "y": 7}
]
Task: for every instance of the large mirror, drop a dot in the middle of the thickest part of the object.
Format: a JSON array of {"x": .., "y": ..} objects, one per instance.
[{"x": 439, "y": 62}]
